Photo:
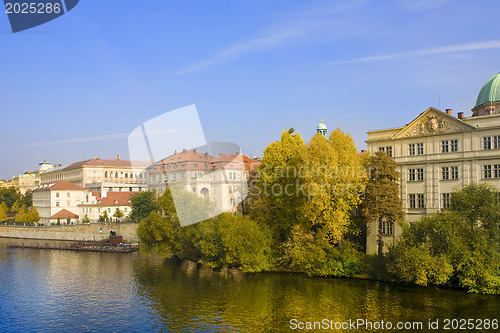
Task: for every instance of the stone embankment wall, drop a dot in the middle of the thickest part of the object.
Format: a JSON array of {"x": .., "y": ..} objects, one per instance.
[{"x": 73, "y": 232}]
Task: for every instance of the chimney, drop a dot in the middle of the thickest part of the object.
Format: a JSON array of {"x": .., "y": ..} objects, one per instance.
[
  {"x": 184, "y": 150},
  {"x": 448, "y": 112},
  {"x": 195, "y": 151},
  {"x": 206, "y": 155},
  {"x": 104, "y": 193},
  {"x": 460, "y": 115},
  {"x": 119, "y": 157}
]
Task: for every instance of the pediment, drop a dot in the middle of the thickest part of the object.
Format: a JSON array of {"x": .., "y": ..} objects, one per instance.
[{"x": 433, "y": 122}]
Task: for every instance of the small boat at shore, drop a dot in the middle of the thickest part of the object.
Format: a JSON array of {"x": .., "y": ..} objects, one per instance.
[{"x": 112, "y": 244}]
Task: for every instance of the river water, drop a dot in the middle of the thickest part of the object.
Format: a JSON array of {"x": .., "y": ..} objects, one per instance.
[{"x": 64, "y": 291}]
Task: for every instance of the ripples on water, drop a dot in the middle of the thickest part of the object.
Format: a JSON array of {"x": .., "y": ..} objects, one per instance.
[{"x": 64, "y": 291}]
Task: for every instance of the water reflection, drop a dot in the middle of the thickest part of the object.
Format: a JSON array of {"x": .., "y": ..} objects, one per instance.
[
  {"x": 64, "y": 291},
  {"x": 189, "y": 298}
]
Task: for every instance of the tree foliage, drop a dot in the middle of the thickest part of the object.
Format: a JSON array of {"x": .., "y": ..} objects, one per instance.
[
  {"x": 3, "y": 211},
  {"x": 104, "y": 216},
  {"x": 142, "y": 204},
  {"x": 226, "y": 240},
  {"x": 458, "y": 247},
  {"x": 118, "y": 213},
  {"x": 28, "y": 215},
  {"x": 9, "y": 195},
  {"x": 382, "y": 201}
]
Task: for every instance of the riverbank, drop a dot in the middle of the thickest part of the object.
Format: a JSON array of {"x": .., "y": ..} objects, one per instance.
[{"x": 92, "y": 231}]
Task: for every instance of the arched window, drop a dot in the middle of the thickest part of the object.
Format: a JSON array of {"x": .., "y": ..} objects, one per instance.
[
  {"x": 105, "y": 174},
  {"x": 116, "y": 174}
]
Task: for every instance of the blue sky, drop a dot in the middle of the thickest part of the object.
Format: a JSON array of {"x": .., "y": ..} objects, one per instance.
[{"x": 75, "y": 87}]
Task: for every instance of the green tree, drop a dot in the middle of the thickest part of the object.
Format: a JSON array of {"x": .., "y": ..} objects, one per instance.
[
  {"x": 3, "y": 211},
  {"x": 104, "y": 216},
  {"x": 142, "y": 204},
  {"x": 16, "y": 206},
  {"x": 86, "y": 219},
  {"x": 279, "y": 198},
  {"x": 33, "y": 215},
  {"x": 27, "y": 199},
  {"x": 382, "y": 202},
  {"x": 456, "y": 247},
  {"x": 316, "y": 256},
  {"x": 21, "y": 215},
  {"x": 118, "y": 214},
  {"x": 9, "y": 195}
]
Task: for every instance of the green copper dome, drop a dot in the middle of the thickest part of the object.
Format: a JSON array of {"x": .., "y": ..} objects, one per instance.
[
  {"x": 321, "y": 126},
  {"x": 490, "y": 92}
]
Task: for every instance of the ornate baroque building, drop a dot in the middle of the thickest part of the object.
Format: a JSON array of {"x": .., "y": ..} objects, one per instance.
[{"x": 436, "y": 153}]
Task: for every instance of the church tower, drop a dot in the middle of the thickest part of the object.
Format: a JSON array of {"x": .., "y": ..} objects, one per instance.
[{"x": 321, "y": 129}]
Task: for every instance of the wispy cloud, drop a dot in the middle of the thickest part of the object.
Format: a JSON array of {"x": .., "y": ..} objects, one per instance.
[
  {"x": 240, "y": 49},
  {"x": 294, "y": 28},
  {"x": 422, "y": 5},
  {"x": 80, "y": 140},
  {"x": 492, "y": 44}
]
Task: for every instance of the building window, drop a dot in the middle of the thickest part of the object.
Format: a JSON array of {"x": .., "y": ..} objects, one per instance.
[
  {"x": 420, "y": 201},
  {"x": 386, "y": 228},
  {"x": 491, "y": 142},
  {"x": 57, "y": 203},
  {"x": 387, "y": 150},
  {"x": 487, "y": 142},
  {"x": 412, "y": 201},
  {"x": 57, "y": 194},
  {"x": 449, "y": 173},
  {"x": 491, "y": 171},
  {"x": 125, "y": 210},
  {"x": 173, "y": 177},
  {"x": 68, "y": 203},
  {"x": 232, "y": 175},
  {"x": 416, "y": 148},
  {"x": 496, "y": 171},
  {"x": 213, "y": 190},
  {"x": 449, "y": 146},
  {"x": 445, "y": 173},
  {"x": 420, "y": 148},
  {"x": 445, "y": 200},
  {"x": 415, "y": 175},
  {"x": 486, "y": 171},
  {"x": 416, "y": 200},
  {"x": 68, "y": 194},
  {"x": 411, "y": 149},
  {"x": 420, "y": 174}
]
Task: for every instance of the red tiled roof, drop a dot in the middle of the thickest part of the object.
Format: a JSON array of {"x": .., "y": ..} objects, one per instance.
[
  {"x": 64, "y": 214},
  {"x": 60, "y": 186},
  {"x": 107, "y": 163},
  {"x": 112, "y": 199}
]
